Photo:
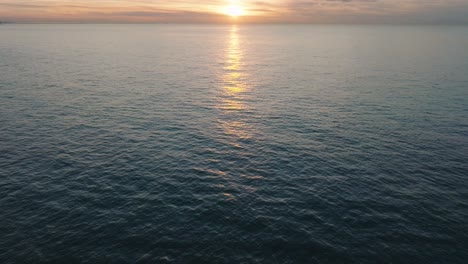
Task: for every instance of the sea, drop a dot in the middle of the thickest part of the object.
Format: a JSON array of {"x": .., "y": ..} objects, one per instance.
[{"x": 180, "y": 143}]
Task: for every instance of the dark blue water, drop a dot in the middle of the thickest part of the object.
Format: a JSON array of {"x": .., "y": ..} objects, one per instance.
[{"x": 233, "y": 144}]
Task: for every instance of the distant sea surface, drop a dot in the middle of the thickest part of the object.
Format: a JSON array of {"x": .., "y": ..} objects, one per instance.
[{"x": 233, "y": 144}]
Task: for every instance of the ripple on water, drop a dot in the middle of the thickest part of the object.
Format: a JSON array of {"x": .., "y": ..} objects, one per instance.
[{"x": 244, "y": 144}]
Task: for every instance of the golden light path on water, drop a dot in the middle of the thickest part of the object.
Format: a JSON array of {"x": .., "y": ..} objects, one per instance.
[
  {"x": 233, "y": 99},
  {"x": 234, "y": 88}
]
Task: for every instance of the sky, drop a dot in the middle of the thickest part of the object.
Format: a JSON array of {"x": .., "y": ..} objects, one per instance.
[{"x": 255, "y": 11}]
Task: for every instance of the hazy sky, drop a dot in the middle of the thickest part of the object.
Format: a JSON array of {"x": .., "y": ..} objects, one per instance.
[{"x": 261, "y": 11}]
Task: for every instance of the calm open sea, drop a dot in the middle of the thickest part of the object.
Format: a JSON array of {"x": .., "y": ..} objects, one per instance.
[{"x": 233, "y": 144}]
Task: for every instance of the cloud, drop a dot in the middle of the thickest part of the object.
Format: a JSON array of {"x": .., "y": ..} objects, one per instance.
[{"x": 209, "y": 11}]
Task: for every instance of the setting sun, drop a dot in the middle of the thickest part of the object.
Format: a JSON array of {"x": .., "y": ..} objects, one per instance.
[{"x": 234, "y": 10}]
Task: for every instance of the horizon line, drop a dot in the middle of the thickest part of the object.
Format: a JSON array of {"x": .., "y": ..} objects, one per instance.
[{"x": 231, "y": 23}]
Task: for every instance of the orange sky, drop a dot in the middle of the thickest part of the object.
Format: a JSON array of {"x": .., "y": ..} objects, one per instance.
[{"x": 212, "y": 11}]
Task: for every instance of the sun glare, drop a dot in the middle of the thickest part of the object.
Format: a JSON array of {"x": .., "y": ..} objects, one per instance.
[{"x": 234, "y": 11}]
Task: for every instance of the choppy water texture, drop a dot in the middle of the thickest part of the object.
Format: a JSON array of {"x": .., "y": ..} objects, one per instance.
[{"x": 233, "y": 144}]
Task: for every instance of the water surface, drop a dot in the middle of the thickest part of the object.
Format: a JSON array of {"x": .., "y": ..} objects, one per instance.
[{"x": 233, "y": 144}]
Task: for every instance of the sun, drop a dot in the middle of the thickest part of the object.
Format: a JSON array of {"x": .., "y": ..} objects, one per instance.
[{"x": 234, "y": 10}]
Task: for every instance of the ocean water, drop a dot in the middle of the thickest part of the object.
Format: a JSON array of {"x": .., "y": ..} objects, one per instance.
[{"x": 233, "y": 144}]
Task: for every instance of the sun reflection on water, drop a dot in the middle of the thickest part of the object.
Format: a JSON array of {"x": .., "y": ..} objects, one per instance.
[
  {"x": 235, "y": 112},
  {"x": 233, "y": 79},
  {"x": 234, "y": 91}
]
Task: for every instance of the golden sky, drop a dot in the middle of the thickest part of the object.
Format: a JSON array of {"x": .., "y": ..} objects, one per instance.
[{"x": 213, "y": 11}]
